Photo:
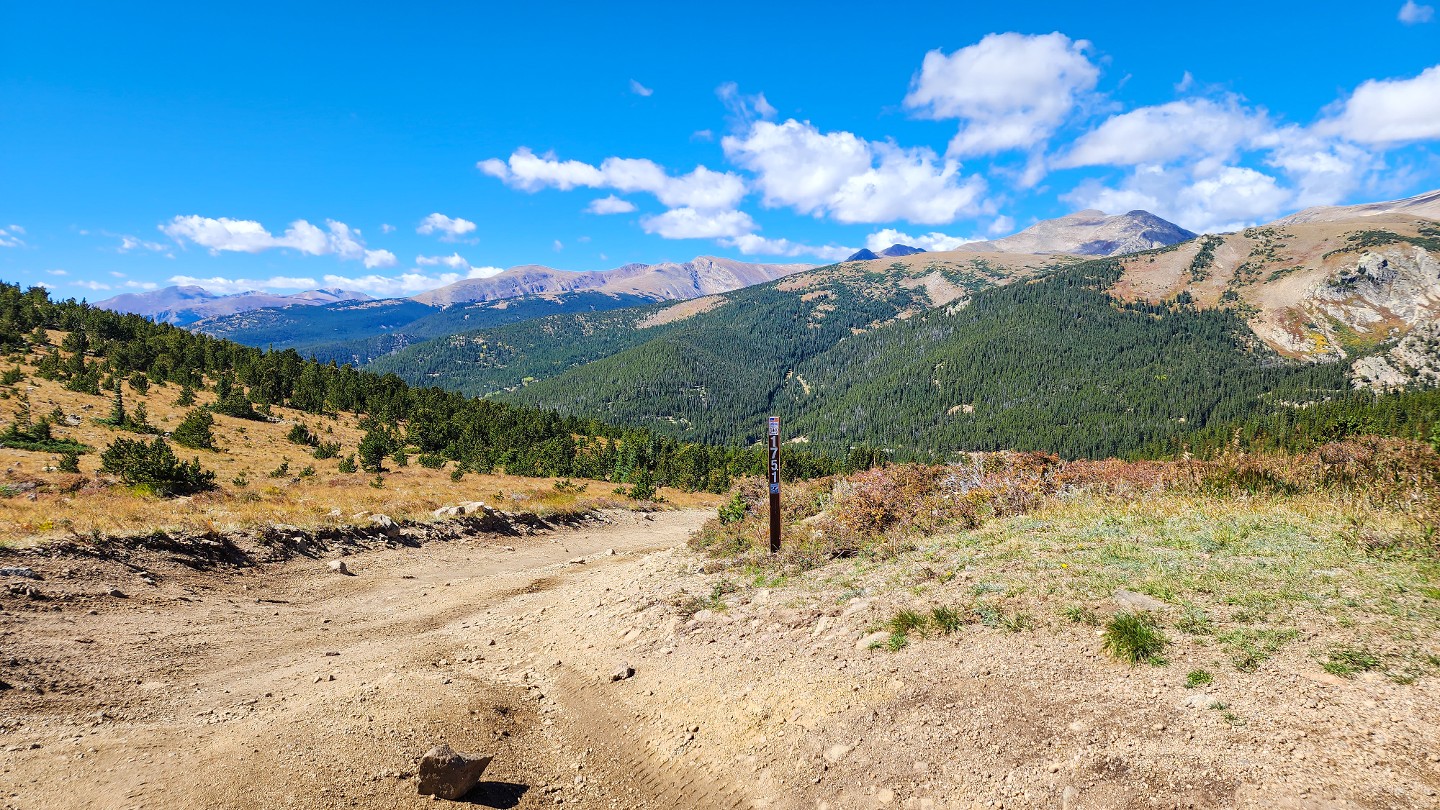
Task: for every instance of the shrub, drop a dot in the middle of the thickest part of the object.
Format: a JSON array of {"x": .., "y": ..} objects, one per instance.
[
  {"x": 300, "y": 434},
  {"x": 154, "y": 467},
  {"x": 69, "y": 462},
  {"x": 734, "y": 510},
  {"x": 347, "y": 464},
  {"x": 281, "y": 471},
  {"x": 186, "y": 398},
  {"x": 327, "y": 450},
  {"x": 196, "y": 430},
  {"x": 1135, "y": 637},
  {"x": 1198, "y": 678},
  {"x": 431, "y": 461},
  {"x": 12, "y": 376},
  {"x": 1346, "y": 661}
]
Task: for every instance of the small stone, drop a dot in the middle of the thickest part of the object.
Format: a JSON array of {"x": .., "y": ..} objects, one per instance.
[
  {"x": 16, "y": 571},
  {"x": 622, "y": 671},
  {"x": 449, "y": 774},
  {"x": 117, "y": 593},
  {"x": 1138, "y": 601},
  {"x": 878, "y": 637},
  {"x": 383, "y": 522},
  {"x": 1200, "y": 700},
  {"x": 339, "y": 567},
  {"x": 577, "y": 561},
  {"x": 836, "y": 752}
]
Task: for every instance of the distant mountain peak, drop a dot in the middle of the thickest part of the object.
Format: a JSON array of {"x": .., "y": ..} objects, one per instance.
[
  {"x": 892, "y": 252},
  {"x": 1089, "y": 233}
]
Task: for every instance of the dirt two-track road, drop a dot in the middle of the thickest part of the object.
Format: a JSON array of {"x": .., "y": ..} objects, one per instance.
[
  {"x": 288, "y": 685},
  {"x": 299, "y": 687}
]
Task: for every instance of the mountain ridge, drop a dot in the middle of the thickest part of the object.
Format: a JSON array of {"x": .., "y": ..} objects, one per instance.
[{"x": 183, "y": 305}]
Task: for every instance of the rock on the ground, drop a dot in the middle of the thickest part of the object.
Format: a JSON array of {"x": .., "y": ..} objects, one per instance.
[
  {"x": 878, "y": 637},
  {"x": 386, "y": 525},
  {"x": 836, "y": 752},
  {"x": 622, "y": 671},
  {"x": 1137, "y": 601},
  {"x": 25, "y": 573},
  {"x": 339, "y": 567},
  {"x": 449, "y": 774},
  {"x": 1200, "y": 700}
]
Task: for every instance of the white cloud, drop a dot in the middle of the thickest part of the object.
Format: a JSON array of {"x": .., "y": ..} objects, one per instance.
[
  {"x": 1230, "y": 198},
  {"x": 449, "y": 229},
  {"x": 689, "y": 223},
  {"x": 97, "y": 286},
  {"x": 248, "y": 236},
  {"x": 414, "y": 281},
  {"x": 18, "y": 229},
  {"x": 1412, "y": 13},
  {"x": 58, "y": 272},
  {"x": 129, "y": 243},
  {"x": 117, "y": 274},
  {"x": 379, "y": 259},
  {"x": 850, "y": 179},
  {"x": 386, "y": 227},
  {"x": 1389, "y": 111},
  {"x": 752, "y": 244},
  {"x": 10, "y": 236},
  {"x": 557, "y": 246},
  {"x": 1009, "y": 91},
  {"x": 932, "y": 241},
  {"x": 1001, "y": 226},
  {"x": 1199, "y": 129},
  {"x": 742, "y": 110},
  {"x": 701, "y": 188},
  {"x": 1323, "y": 171},
  {"x": 220, "y": 284},
  {"x": 609, "y": 205},
  {"x": 141, "y": 285},
  {"x": 640, "y": 90}
]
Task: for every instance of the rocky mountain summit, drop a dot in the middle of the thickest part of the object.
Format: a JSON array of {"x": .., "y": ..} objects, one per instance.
[
  {"x": 1089, "y": 233},
  {"x": 892, "y": 252}
]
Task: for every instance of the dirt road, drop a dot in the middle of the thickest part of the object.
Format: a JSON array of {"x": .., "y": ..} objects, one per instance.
[
  {"x": 290, "y": 686},
  {"x": 299, "y": 687}
]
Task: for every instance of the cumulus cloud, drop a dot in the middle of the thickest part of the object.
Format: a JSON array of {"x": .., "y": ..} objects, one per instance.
[
  {"x": 1228, "y": 199},
  {"x": 752, "y": 244},
  {"x": 141, "y": 285},
  {"x": 449, "y": 228},
  {"x": 932, "y": 241},
  {"x": 701, "y": 188},
  {"x": 58, "y": 272},
  {"x": 96, "y": 286},
  {"x": 248, "y": 236},
  {"x": 1009, "y": 91},
  {"x": 610, "y": 205},
  {"x": 690, "y": 223},
  {"x": 1412, "y": 13},
  {"x": 379, "y": 259},
  {"x": 10, "y": 236},
  {"x": 458, "y": 263},
  {"x": 844, "y": 176},
  {"x": 415, "y": 280},
  {"x": 1390, "y": 111},
  {"x": 221, "y": 284},
  {"x": 640, "y": 90},
  {"x": 1193, "y": 128}
]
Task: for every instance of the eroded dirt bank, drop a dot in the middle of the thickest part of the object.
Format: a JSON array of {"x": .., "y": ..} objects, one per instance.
[{"x": 289, "y": 685}]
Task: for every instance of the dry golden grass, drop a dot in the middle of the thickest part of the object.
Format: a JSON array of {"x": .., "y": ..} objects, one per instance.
[{"x": 67, "y": 506}]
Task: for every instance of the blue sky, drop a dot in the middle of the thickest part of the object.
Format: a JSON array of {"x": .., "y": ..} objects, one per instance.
[{"x": 392, "y": 149}]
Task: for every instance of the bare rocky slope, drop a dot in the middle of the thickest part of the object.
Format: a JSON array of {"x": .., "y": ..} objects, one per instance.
[{"x": 1089, "y": 233}]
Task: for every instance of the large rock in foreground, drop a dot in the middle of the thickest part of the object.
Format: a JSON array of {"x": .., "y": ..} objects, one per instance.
[{"x": 449, "y": 774}]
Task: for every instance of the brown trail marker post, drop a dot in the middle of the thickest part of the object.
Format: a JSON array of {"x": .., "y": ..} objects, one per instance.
[{"x": 774, "y": 432}]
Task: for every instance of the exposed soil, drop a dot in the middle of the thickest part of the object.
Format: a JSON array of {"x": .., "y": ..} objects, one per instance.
[{"x": 287, "y": 685}]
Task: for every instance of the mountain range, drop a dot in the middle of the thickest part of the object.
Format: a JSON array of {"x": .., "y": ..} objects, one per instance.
[{"x": 183, "y": 306}]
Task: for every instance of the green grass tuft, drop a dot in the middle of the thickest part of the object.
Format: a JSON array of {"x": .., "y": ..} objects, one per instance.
[{"x": 1135, "y": 637}]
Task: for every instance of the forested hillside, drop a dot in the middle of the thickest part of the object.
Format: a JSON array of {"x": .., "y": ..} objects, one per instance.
[
  {"x": 1054, "y": 364},
  {"x": 358, "y": 333},
  {"x": 102, "y": 350}
]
